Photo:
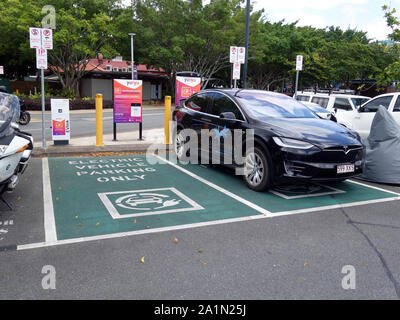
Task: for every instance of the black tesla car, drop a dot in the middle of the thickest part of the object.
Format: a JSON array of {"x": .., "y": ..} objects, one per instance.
[{"x": 290, "y": 141}]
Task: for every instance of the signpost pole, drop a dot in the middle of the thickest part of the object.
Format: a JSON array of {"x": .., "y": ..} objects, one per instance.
[
  {"x": 299, "y": 67},
  {"x": 43, "y": 110},
  {"x": 297, "y": 83}
]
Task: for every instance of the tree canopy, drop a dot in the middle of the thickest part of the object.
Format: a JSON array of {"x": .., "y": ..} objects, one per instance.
[{"x": 192, "y": 35}]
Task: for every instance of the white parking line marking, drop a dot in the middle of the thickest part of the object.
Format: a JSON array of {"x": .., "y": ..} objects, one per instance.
[
  {"x": 49, "y": 220},
  {"x": 373, "y": 187},
  {"x": 334, "y": 191},
  {"x": 218, "y": 188},
  {"x": 208, "y": 223}
]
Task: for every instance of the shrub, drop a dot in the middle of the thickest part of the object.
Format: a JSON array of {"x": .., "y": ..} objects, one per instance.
[{"x": 75, "y": 104}]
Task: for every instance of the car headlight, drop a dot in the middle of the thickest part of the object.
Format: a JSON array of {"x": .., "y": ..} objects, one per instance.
[{"x": 292, "y": 143}]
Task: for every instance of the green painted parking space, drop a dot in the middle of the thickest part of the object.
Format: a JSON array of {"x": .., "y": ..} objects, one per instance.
[
  {"x": 297, "y": 196},
  {"x": 94, "y": 196}
]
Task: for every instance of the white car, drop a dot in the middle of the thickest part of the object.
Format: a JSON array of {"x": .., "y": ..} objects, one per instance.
[
  {"x": 344, "y": 106},
  {"x": 362, "y": 119}
]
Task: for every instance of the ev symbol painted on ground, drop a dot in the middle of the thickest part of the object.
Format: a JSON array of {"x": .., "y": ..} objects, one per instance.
[{"x": 126, "y": 204}]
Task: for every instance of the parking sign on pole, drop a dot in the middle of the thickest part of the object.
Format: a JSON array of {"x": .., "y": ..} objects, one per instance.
[
  {"x": 47, "y": 39},
  {"x": 35, "y": 38},
  {"x": 241, "y": 55},
  {"x": 41, "y": 39},
  {"x": 233, "y": 54},
  {"x": 299, "y": 63},
  {"x": 41, "y": 59},
  {"x": 236, "y": 71}
]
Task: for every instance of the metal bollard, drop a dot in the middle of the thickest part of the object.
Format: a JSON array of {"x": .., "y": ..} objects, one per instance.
[
  {"x": 99, "y": 120},
  {"x": 167, "y": 119}
]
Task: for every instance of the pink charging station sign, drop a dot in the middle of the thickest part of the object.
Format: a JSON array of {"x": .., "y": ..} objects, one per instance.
[
  {"x": 128, "y": 101},
  {"x": 185, "y": 87}
]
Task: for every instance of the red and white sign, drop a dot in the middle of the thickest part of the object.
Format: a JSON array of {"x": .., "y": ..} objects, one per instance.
[
  {"x": 128, "y": 101},
  {"x": 236, "y": 71},
  {"x": 41, "y": 59},
  {"x": 35, "y": 38},
  {"x": 299, "y": 63},
  {"x": 233, "y": 54},
  {"x": 185, "y": 87},
  {"x": 241, "y": 55},
  {"x": 47, "y": 39},
  {"x": 347, "y": 168},
  {"x": 1, "y": 70}
]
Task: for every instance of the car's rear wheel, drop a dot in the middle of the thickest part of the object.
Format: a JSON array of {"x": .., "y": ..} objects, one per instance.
[
  {"x": 180, "y": 145},
  {"x": 257, "y": 170}
]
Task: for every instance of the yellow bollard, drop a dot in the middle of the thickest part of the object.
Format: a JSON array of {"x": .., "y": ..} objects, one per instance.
[
  {"x": 99, "y": 120},
  {"x": 167, "y": 119}
]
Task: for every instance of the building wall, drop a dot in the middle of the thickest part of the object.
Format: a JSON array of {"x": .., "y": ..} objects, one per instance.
[
  {"x": 91, "y": 87},
  {"x": 102, "y": 86},
  {"x": 146, "y": 90}
]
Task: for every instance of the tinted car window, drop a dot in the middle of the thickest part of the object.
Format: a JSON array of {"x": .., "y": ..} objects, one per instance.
[
  {"x": 222, "y": 103},
  {"x": 342, "y": 104},
  {"x": 373, "y": 105},
  {"x": 261, "y": 104},
  {"x": 359, "y": 101},
  {"x": 302, "y": 98},
  {"x": 323, "y": 102},
  {"x": 198, "y": 102},
  {"x": 396, "y": 107}
]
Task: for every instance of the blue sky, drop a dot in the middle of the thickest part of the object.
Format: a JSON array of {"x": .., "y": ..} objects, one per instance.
[{"x": 366, "y": 15}]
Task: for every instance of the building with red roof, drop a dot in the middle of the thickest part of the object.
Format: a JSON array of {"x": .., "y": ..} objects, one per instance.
[{"x": 101, "y": 72}]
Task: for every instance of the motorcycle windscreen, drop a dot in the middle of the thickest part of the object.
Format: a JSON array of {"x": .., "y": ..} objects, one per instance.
[
  {"x": 9, "y": 113},
  {"x": 382, "y": 157}
]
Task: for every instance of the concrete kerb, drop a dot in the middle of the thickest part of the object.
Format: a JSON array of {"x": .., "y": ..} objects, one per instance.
[
  {"x": 106, "y": 110},
  {"x": 126, "y": 142}
]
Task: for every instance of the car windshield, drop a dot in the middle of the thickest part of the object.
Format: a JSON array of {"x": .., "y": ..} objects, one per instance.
[
  {"x": 317, "y": 108},
  {"x": 266, "y": 104},
  {"x": 9, "y": 112},
  {"x": 359, "y": 101}
]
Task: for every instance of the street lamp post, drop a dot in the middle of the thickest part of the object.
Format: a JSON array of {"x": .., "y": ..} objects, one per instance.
[
  {"x": 246, "y": 44},
  {"x": 132, "y": 35},
  {"x": 133, "y": 78}
]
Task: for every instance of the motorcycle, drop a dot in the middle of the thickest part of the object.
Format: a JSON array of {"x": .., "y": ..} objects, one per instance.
[
  {"x": 24, "y": 116},
  {"x": 15, "y": 145}
]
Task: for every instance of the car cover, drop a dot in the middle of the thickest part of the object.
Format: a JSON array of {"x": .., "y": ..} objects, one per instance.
[{"x": 382, "y": 153}]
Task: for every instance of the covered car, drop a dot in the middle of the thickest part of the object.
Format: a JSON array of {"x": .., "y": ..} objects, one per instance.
[{"x": 382, "y": 158}]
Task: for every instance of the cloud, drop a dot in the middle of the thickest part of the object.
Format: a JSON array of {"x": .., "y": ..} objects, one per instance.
[{"x": 302, "y": 4}]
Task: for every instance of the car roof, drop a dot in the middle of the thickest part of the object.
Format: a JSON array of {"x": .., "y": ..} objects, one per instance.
[
  {"x": 327, "y": 95},
  {"x": 233, "y": 92}
]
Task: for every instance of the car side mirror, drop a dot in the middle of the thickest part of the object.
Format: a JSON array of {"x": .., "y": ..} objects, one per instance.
[
  {"x": 228, "y": 116},
  {"x": 181, "y": 102}
]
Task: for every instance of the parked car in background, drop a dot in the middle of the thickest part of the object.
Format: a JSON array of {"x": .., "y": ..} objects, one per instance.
[
  {"x": 344, "y": 106},
  {"x": 362, "y": 119},
  {"x": 290, "y": 141}
]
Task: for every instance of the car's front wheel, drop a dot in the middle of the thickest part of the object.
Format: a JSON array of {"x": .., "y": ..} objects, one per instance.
[{"x": 257, "y": 169}]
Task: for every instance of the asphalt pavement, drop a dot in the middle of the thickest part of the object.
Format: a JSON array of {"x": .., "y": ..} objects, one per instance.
[{"x": 299, "y": 256}]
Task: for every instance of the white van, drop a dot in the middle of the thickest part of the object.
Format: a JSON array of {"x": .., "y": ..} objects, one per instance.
[{"x": 344, "y": 106}]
